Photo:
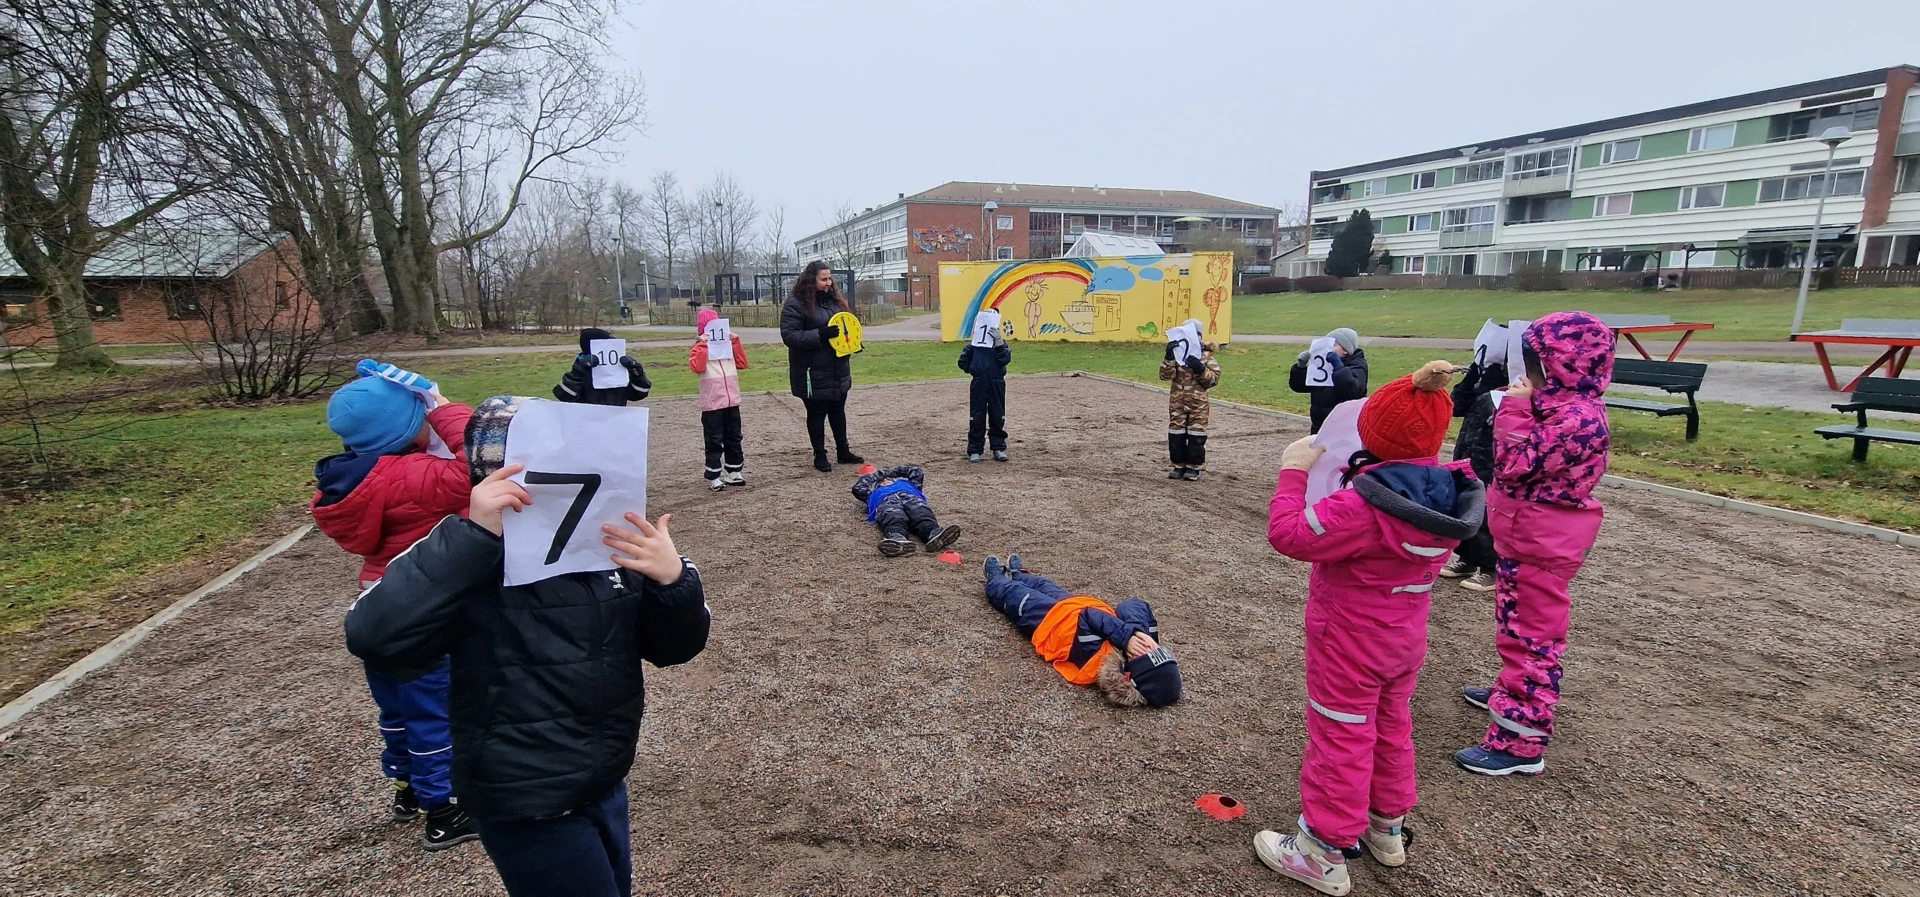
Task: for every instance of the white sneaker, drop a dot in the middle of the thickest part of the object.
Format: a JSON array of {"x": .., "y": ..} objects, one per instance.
[
  {"x": 1299, "y": 857},
  {"x": 1481, "y": 581},
  {"x": 1389, "y": 848},
  {"x": 735, "y": 478},
  {"x": 716, "y": 485},
  {"x": 1455, "y": 568}
]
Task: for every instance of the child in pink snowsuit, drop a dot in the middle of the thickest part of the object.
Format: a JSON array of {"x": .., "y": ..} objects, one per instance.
[
  {"x": 1550, "y": 441},
  {"x": 1376, "y": 550}
]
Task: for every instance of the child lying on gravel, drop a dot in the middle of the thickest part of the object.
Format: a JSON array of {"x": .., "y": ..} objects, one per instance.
[
  {"x": 896, "y": 505},
  {"x": 1088, "y": 641}
]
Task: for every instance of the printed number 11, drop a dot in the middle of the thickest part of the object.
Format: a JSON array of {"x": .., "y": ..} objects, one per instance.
[{"x": 589, "y": 483}]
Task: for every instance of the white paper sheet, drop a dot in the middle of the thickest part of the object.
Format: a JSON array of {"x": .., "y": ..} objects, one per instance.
[
  {"x": 719, "y": 336},
  {"x": 1491, "y": 344},
  {"x": 1340, "y": 434},
  {"x": 608, "y": 372},
  {"x": 985, "y": 325},
  {"x": 1319, "y": 373},
  {"x": 1516, "y": 357},
  {"x": 1185, "y": 343},
  {"x": 586, "y": 465}
]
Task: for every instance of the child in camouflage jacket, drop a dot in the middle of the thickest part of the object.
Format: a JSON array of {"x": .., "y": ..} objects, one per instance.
[{"x": 1188, "y": 409}]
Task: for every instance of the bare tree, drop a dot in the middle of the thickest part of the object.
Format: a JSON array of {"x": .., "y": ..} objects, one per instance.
[
  {"x": 666, "y": 218},
  {"x": 629, "y": 214},
  {"x": 844, "y": 249},
  {"x": 89, "y": 149},
  {"x": 727, "y": 216},
  {"x": 774, "y": 237}
]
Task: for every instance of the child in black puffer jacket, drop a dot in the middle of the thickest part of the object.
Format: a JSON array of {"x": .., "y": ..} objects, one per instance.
[
  {"x": 987, "y": 397},
  {"x": 1473, "y": 403},
  {"x": 576, "y": 385}
]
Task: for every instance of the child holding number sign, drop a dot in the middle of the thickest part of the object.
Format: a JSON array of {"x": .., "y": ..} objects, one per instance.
[
  {"x": 576, "y": 385},
  {"x": 1345, "y": 365},
  {"x": 720, "y": 403},
  {"x": 547, "y": 691},
  {"x": 1190, "y": 367},
  {"x": 986, "y": 358}
]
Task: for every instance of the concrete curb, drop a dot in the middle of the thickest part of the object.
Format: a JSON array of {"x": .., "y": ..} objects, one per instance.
[
  {"x": 111, "y": 651},
  {"x": 1687, "y": 495}
]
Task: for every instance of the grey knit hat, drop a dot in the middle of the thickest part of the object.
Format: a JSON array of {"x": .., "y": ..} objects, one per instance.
[
  {"x": 487, "y": 435},
  {"x": 1346, "y": 338}
]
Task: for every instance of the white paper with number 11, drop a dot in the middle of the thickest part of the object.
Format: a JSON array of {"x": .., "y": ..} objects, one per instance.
[{"x": 586, "y": 465}]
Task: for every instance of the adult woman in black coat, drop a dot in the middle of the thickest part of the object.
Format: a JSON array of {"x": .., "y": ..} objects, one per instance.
[{"x": 819, "y": 376}]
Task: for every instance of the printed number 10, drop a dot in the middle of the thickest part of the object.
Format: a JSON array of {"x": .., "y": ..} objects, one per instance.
[
  {"x": 589, "y": 483},
  {"x": 607, "y": 357}
]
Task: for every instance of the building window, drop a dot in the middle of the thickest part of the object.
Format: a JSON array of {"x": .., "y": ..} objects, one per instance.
[
  {"x": 283, "y": 295},
  {"x": 1416, "y": 264},
  {"x": 1003, "y": 222},
  {"x": 1704, "y": 196},
  {"x": 1808, "y": 186},
  {"x": 1420, "y": 224},
  {"x": 183, "y": 304},
  {"x": 1004, "y": 253},
  {"x": 1333, "y": 193},
  {"x": 1379, "y": 226},
  {"x": 1323, "y": 228},
  {"x": 16, "y": 306},
  {"x": 1376, "y": 187},
  {"x": 1471, "y": 218},
  {"x": 1861, "y": 116},
  {"x": 1713, "y": 137},
  {"x": 1909, "y": 181},
  {"x": 1616, "y": 204},
  {"x": 1480, "y": 171},
  {"x": 1535, "y": 209},
  {"x": 1424, "y": 180},
  {"x": 103, "y": 303},
  {"x": 1541, "y": 164},
  {"x": 1620, "y": 151}
]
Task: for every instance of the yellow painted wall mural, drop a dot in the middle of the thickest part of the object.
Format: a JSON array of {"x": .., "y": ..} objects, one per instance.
[{"x": 1091, "y": 300}]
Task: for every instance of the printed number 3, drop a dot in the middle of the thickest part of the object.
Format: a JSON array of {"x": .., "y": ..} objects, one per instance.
[
  {"x": 1319, "y": 369},
  {"x": 589, "y": 483}
]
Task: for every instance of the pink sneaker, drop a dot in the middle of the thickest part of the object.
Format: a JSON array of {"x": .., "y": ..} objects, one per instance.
[{"x": 1302, "y": 858}]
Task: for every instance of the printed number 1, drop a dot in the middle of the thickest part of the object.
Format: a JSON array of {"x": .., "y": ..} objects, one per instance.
[{"x": 589, "y": 483}]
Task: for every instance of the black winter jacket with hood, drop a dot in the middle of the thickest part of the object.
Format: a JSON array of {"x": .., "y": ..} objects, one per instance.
[
  {"x": 1349, "y": 383},
  {"x": 548, "y": 686},
  {"x": 814, "y": 370}
]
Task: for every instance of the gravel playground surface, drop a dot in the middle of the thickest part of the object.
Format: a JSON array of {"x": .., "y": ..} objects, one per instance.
[{"x": 1741, "y": 709}]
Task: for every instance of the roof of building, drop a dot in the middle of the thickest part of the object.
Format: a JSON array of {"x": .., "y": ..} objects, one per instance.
[
  {"x": 1100, "y": 245},
  {"x": 198, "y": 254},
  {"x": 1089, "y": 197},
  {"x": 1672, "y": 113}
]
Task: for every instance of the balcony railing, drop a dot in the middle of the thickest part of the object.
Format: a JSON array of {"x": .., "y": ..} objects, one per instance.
[
  {"x": 1462, "y": 239},
  {"x": 1534, "y": 183},
  {"x": 1909, "y": 142}
]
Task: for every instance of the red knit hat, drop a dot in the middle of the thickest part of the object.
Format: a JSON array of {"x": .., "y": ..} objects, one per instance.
[{"x": 1408, "y": 418}]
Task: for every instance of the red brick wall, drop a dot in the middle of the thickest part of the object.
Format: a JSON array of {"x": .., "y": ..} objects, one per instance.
[
  {"x": 1880, "y": 182},
  {"x": 937, "y": 225},
  {"x": 144, "y": 317}
]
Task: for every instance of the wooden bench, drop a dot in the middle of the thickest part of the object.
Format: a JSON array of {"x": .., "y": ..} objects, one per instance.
[
  {"x": 1672, "y": 376},
  {"x": 1877, "y": 394}
]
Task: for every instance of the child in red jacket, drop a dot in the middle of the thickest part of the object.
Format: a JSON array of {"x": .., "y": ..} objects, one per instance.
[
  {"x": 377, "y": 498},
  {"x": 719, "y": 405},
  {"x": 1376, "y": 549}
]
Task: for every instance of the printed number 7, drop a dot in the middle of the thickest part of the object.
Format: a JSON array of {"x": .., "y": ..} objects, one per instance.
[{"x": 589, "y": 483}]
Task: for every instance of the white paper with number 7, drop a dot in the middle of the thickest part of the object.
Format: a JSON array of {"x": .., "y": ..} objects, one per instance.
[{"x": 586, "y": 465}]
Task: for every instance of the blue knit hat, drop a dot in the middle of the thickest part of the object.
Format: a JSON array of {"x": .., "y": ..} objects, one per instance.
[
  {"x": 375, "y": 416},
  {"x": 1157, "y": 675}
]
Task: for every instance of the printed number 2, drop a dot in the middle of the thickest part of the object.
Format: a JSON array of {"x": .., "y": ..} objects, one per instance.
[{"x": 589, "y": 483}]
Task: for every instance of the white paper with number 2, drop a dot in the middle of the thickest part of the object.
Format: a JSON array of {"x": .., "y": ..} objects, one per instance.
[
  {"x": 566, "y": 449},
  {"x": 1319, "y": 374},
  {"x": 984, "y": 324},
  {"x": 1185, "y": 342},
  {"x": 608, "y": 372}
]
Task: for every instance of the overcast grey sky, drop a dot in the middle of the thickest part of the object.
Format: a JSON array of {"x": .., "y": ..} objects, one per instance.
[{"x": 812, "y": 103}]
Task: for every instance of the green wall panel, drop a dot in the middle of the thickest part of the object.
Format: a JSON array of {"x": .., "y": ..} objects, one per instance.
[
  {"x": 1570, "y": 260},
  {"x": 1582, "y": 207},
  {"x": 1661, "y": 146},
  {"x": 1590, "y": 155},
  {"x": 1400, "y": 183},
  {"x": 1750, "y": 132},
  {"x": 1743, "y": 193},
  {"x": 1653, "y": 202},
  {"x": 1395, "y": 225}
]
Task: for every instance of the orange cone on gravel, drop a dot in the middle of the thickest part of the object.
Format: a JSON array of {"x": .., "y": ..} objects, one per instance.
[
  {"x": 867, "y": 469},
  {"x": 949, "y": 557},
  {"x": 1221, "y": 807}
]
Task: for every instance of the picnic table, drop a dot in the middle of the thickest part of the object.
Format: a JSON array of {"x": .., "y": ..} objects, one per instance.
[
  {"x": 1625, "y": 326},
  {"x": 1898, "y": 336}
]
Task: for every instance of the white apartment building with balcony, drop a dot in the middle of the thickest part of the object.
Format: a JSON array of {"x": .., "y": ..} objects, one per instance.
[{"x": 1725, "y": 183}]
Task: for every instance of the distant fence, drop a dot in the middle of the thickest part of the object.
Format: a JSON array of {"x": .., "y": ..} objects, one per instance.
[
  {"x": 1877, "y": 277},
  {"x": 762, "y": 315},
  {"x": 1697, "y": 279}
]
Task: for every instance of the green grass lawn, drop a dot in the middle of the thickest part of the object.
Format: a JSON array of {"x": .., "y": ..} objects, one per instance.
[
  {"x": 1747, "y": 315},
  {"x": 181, "y": 476}
]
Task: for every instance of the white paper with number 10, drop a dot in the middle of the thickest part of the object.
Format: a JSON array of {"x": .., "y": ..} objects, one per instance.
[
  {"x": 608, "y": 372},
  {"x": 1319, "y": 374},
  {"x": 585, "y": 465}
]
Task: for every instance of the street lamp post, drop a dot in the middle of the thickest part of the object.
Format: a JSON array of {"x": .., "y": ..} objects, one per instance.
[
  {"x": 1833, "y": 137},
  {"x": 619, "y": 285},
  {"x": 992, "y": 223}
]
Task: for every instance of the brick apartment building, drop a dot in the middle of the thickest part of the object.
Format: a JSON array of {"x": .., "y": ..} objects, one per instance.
[
  {"x": 154, "y": 291},
  {"x": 901, "y": 245}
]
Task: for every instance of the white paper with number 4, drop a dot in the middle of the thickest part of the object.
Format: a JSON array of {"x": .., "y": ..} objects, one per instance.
[
  {"x": 719, "y": 336},
  {"x": 1319, "y": 372},
  {"x": 585, "y": 465},
  {"x": 984, "y": 325},
  {"x": 608, "y": 372}
]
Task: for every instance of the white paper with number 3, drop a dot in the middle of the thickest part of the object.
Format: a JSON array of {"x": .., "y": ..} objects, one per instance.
[
  {"x": 719, "y": 336},
  {"x": 1319, "y": 373},
  {"x": 984, "y": 325},
  {"x": 586, "y": 465},
  {"x": 608, "y": 372}
]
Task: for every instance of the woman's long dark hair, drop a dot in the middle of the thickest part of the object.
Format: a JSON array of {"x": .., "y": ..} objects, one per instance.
[{"x": 809, "y": 298}]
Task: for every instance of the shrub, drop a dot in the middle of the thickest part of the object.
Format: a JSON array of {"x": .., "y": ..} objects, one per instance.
[
  {"x": 1317, "y": 283},
  {"x": 1538, "y": 279},
  {"x": 1352, "y": 246},
  {"x": 1257, "y": 286}
]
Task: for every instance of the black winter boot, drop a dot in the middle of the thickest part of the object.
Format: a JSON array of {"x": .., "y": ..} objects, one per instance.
[
  {"x": 820, "y": 462},
  {"x": 448, "y": 826},
  {"x": 406, "y": 804},
  {"x": 847, "y": 457}
]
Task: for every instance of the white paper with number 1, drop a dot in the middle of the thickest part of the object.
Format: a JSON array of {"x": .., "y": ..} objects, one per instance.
[
  {"x": 608, "y": 372},
  {"x": 585, "y": 465},
  {"x": 985, "y": 324}
]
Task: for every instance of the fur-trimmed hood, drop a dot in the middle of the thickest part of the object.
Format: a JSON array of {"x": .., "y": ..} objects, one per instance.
[{"x": 1444, "y": 501}]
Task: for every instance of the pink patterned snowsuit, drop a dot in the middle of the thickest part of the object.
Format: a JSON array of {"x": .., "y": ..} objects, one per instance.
[
  {"x": 1376, "y": 551},
  {"x": 1549, "y": 453}
]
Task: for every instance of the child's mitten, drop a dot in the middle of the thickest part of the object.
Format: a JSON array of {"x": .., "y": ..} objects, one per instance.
[
  {"x": 400, "y": 376},
  {"x": 636, "y": 373}
]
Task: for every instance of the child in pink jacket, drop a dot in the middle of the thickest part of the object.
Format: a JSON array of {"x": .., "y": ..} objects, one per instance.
[
  {"x": 719, "y": 406},
  {"x": 1376, "y": 551},
  {"x": 1550, "y": 441}
]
